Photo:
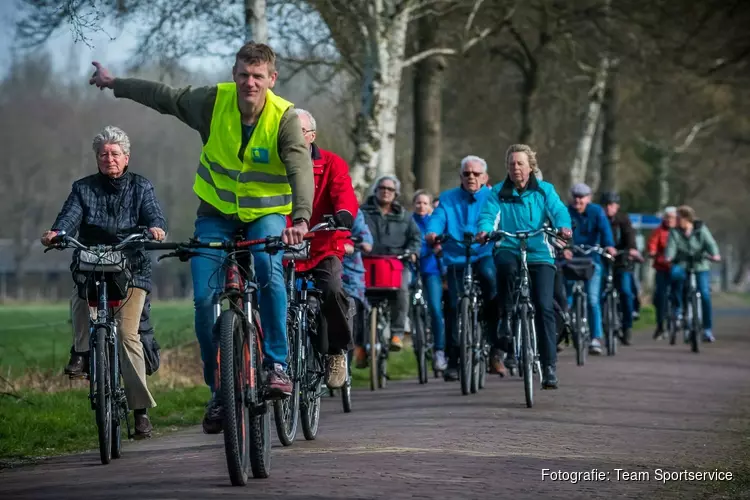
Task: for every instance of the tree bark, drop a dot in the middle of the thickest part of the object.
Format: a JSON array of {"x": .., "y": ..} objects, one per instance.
[
  {"x": 256, "y": 23},
  {"x": 610, "y": 148},
  {"x": 528, "y": 93},
  {"x": 428, "y": 85}
]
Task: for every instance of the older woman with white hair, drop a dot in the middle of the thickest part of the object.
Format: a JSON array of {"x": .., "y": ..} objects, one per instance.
[
  {"x": 104, "y": 208},
  {"x": 394, "y": 232}
]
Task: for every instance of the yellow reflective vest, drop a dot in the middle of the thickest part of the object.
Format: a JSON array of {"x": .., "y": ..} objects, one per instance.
[{"x": 255, "y": 185}]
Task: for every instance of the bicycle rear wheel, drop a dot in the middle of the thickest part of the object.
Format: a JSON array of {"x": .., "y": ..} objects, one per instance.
[
  {"x": 420, "y": 344},
  {"x": 465, "y": 346},
  {"x": 102, "y": 395},
  {"x": 346, "y": 389},
  {"x": 119, "y": 408},
  {"x": 311, "y": 386},
  {"x": 234, "y": 371},
  {"x": 286, "y": 411},
  {"x": 579, "y": 335},
  {"x": 373, "y": 354},
  {"x": 476, "y": 362}
]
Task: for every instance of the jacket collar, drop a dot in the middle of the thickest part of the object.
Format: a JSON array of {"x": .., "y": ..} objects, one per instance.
[
  {"x": 372, "y": 204},
  {"x": 315, "y": 152},
  {"x": 506, "y": 191}
]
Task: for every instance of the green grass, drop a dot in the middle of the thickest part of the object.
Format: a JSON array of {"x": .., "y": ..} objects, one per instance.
[{"x": 40, "y": 336}]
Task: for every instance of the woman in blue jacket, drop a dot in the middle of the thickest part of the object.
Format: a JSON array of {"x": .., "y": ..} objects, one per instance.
[
  {"x": 431, "y": 278},
  {"x": 523, "y": 203}
]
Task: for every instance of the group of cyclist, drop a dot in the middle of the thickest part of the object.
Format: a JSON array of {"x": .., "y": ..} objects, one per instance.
[{"x": 260, "y": 173}]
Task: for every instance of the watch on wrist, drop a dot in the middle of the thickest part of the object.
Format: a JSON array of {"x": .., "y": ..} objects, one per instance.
[{"x": 298, "y": 220}]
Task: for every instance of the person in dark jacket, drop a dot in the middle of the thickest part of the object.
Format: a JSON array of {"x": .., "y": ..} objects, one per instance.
[
  {"x": 432, "y": 279},
  {"x": 394, "y": 232},
  {"x": 624, "y": 236},
  {"x": 104, "y": 208}
]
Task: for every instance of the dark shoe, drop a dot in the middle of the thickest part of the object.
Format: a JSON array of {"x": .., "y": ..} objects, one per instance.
[
  {"x": 212, "y": 419},
  {"x": 77, "y": 365},
  {"x": 625, "y": 338},
  {"x": 143, "y": 426},
  {"x": 496, "y": 362},
  {"x": 549, "y": 381},
  {"x": 659, "y": 334},
  {"x": 278, "y": 384},
  {"x": 510, "y": 361},
  {"x": 450, "y": 375}
]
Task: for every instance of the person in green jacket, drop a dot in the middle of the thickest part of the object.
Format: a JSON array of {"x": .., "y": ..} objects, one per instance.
[{"x": 692, "y": 238}]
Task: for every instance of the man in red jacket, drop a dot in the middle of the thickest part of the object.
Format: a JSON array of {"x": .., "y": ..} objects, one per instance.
[
  {"x": 657, "y": 245},
  {"x": 335, "y": 196}
]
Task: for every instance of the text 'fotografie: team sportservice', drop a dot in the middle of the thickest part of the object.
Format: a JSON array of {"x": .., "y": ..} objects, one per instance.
[{"x": 660, "y": 475}]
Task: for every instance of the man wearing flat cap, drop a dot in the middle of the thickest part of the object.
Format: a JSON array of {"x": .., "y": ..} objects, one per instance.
[{"x": 591, "y": 227}]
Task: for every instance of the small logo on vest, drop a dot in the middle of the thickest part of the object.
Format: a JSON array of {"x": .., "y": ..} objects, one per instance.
[{"x": 259, "y": 155}]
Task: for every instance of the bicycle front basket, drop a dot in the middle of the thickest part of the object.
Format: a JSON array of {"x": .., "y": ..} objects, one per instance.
[
  {"x": 106, "y": 262},
  {"x": 578, "y": 269}
]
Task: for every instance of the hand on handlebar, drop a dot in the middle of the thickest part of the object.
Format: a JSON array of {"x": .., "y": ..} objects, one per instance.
[
  {"x": 348, "y": 249},
  {"x": 482, "y": 237},
  {"x": 294, "y": 235},
  {"x": 566, "y": 233},
  {"x": 715, "y": 258},
  {"x": 157, "y": 233},
  {"x": 568, "y": 254},
  {"x": 611, "y": 250},
  {"x": 48, "y": 237}
]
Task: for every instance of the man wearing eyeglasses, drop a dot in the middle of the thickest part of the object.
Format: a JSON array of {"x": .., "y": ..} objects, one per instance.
[{"x": 458, "y": 213}]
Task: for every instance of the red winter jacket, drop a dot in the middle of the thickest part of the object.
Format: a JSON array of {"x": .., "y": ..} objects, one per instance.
[
  {"x": 333, "y": 193},
  {"x": 657, "y": 245}
]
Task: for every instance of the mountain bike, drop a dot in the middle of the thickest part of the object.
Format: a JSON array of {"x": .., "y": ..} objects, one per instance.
[
  {"x": 383, "y": 276},
  {"x": 101, "y": 271},
  {"x": 306, "y": 364},
  {"x": 524, "y": 336},
  {"x": 240, "y": 377},
  {"x": 473, "y": 347}
]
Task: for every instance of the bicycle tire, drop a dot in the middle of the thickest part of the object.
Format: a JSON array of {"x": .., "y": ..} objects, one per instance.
[
  {"x": 286, "y": 411},
  {"x": 579, "y": 336},
  {"x": 117, "y": 413},
  {"x": 483, "y": 365},
  {"x": 476, "y": 354},
  {"x": 527, "y": 358},
  {"x": 610, "y": 326},
  {"x": 374, "y": 361},
  {"x": 103, "y": 395},
  {"x": 233, "y": 360},
  {"x": 346, "y": 389},
  {"x": 420, "y": 345},
  {"x": 465, "y": 346},
  {"x": 259, "y": 440},
  {"x": 311, "y": 385},
  {"x": 696, "y": 328}
]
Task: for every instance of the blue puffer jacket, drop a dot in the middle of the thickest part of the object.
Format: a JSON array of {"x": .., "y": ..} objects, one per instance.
[
  {"x": 457, "y": 213},
  {"x": 591, "y": 228},
  {"x": 428, "y": 262},
  {"x": 510, "y": 211}
]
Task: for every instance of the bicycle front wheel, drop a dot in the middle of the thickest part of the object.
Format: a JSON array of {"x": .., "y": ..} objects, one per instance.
[
  {"x": 286, "y": 411},
  {"x": 311, "y": 386},
  {"x": 373, "y": 354},
  {"x": 103, "y": 395},
  {"x": 420, "y": 344},
  {"x": 527, "y": 358},
  {"x": 696, "y": 327},
  {"x": 579, "y": 335},
  {"x": 466, "y": 345},
  {"x": 234, "y": 358},
  {"x": 610, "y": 325}
]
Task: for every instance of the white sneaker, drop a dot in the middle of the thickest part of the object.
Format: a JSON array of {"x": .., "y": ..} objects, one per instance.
[
  {"x": 595, "y": 347},
  {"x": 440, "y": 363}
]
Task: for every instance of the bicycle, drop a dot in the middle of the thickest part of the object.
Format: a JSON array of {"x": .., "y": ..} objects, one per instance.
[
  {"x": 611, "y": 315},
  {"x": 102, "y": 271},
  {"x": 421, "y": 331},
  {"x": 693, "y": 317},
  {"x": 473, "y": 347},
  {"x": 579, "y": 271},
  {"x": 524, "y": 337},
  {"x": 306, "y": 364},
  {"x": 240, "y": 376},
  {"x": 383, "y": 281}
]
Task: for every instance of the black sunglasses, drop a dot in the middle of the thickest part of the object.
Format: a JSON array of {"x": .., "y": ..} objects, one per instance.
[
  {"x": 471, "y": 174},
  {"x": 386, "y": 188}
]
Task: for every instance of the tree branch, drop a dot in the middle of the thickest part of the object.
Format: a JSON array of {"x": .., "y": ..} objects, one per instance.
[{"x": 694, "y": 131}]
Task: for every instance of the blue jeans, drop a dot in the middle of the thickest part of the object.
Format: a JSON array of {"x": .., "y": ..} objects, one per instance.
[
  {"x": 661, "y": 297},
  {"x": 624, "y": 285},
  {"x": 433, "y": 290},
  {"x": 594, "y": 293},
  {"x": 703, "y": 280},
  {"x": 487, "y": 275},
  {"x": 208, "y": 278}
]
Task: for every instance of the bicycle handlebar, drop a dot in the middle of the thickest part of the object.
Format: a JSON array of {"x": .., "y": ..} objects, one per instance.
[
  {"x": 62, "y": 241},
  {"x": 522, "y": 235},
  {"x": 589, "y": 249}
]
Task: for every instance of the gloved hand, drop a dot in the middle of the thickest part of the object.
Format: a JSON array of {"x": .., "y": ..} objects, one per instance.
[{"x": 343, "y": 219}]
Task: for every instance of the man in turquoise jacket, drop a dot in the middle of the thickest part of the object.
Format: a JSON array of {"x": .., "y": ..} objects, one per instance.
[
  {"x": 456, "y": 214},
  {"x": 523, "y": 203}
]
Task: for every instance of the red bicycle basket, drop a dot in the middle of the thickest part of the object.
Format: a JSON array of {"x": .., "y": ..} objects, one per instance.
[{"x": 383, "y": 272}]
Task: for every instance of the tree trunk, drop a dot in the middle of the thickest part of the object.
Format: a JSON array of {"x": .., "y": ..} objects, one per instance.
[
  {"x": 594, "y": 169},
  {"x": 428, "y": 84},
  {"x": 375, "y": 149},
  {"x": 664, "y": 164},
  {"x": 586, "y": 140},
  {"x": 610, "y": 149},
  {"x": 256, "y": 23},
  {"x": 528, "y": 94}
]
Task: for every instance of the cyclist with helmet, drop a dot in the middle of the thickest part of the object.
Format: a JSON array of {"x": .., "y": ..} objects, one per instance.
[{"x": 624, "y": 237}]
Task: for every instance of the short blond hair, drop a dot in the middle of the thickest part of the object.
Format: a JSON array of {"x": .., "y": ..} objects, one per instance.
[
  {"x": 686, "y": 212},
  {"x": 422, "y": 192},
  {"x": 530, "y": 153}
]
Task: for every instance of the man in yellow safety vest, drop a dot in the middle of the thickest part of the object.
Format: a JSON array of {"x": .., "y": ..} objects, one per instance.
[{"x": 254, "y": 170}]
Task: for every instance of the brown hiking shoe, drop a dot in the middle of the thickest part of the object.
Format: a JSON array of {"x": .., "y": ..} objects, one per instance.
[
  {"x": 496, "y": 363},
  {"x": 335, "y": 370},
  {"x": 143, "y": 427}
]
